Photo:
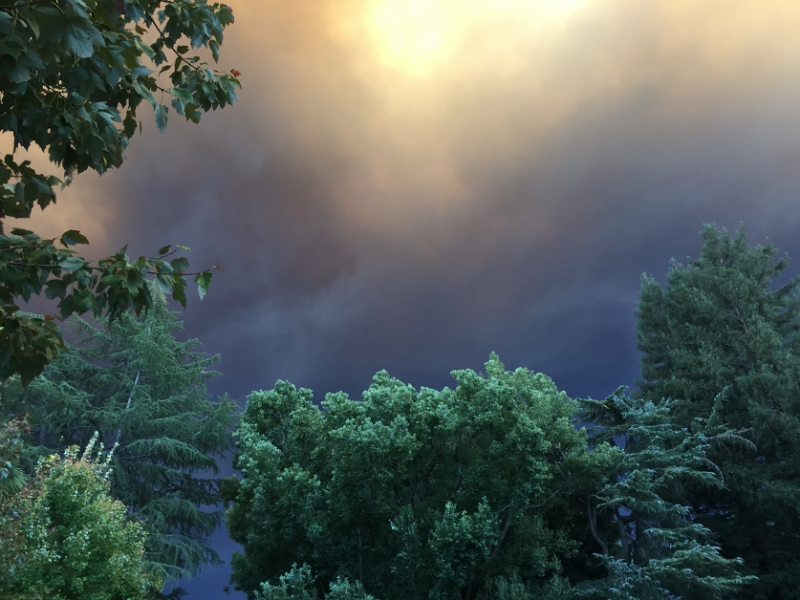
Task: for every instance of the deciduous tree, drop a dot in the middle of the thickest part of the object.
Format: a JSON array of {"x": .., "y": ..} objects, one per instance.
[
  {"x": 411, "y": 494},
  {"x": 69, "y": 539},
  {"x": 73, "y": 76}
]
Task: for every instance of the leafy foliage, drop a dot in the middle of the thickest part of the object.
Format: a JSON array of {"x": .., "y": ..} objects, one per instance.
[
  {"x": 722, "y": 340},
  {"x": 12, "y": 479},
  {"x": 411, "y": 494},
  {"x": 71, "y": 539},
  {"x": 73, "y": 76},
  {"x": 299, "y": 584},
  {"x": 138, "y": 386},
  {"x": 485, "y": 491}
]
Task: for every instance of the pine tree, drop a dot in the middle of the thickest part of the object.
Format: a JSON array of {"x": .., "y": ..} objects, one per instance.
[
  {"x": 722, "y": 340},
  {"x": 132, "y": 381}
]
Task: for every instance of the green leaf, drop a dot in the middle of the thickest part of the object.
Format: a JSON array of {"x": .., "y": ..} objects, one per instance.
[
  {"x": 18, "y": 72},
  {"x": 34, "y": 26},
  {"x": 179, "y": 291},
  {"x": 180, "y": 264},
  {"x": 73, "y": 237},
  {"x": 140, "y": 89},
  {"x": 160, "y": 287},
  {"x": 203, "y": 280},
  {"x": 71, "y": 263},
  {"x": 5, "y": 23},
  {"x": 225, "y": 15},
  {"x": 77, "y": 41},
  {"x": 164, "y": 250},
  {"x": 178, "y": 105},
  {"x": 181, "y": 93},
  {"x": 192, "y": 113},
  {"x": 21, "y": 232},
  {"x": 55, "y": 289},
  {"x": 162, "y": 114}
]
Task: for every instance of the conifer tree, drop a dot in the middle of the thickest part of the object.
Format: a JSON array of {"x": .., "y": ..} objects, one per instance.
[
  {"x": 721, "y": 339},
  {"x": 651, "y": 546},
  {"x": 132, "y": 381}
]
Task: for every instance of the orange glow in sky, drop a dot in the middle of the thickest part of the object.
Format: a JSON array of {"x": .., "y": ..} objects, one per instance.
[{"x": 418, "y": 36}]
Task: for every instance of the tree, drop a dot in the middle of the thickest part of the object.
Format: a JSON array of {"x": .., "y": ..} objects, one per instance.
[
  {"x": 407, "y": 494},
  {"x": 12, "y": 482},
  {"x": 12, "y": 479},
  {"x": 299, "y": 584},
  {"x": 73, "y": 75},
  {"x": 485, "y": 491},
  {"x": 132, "y": 381},
  {"x": 651, "y": 545},
  {"x": 721, "y": 339},
  {"x": 70, "y": 539}
]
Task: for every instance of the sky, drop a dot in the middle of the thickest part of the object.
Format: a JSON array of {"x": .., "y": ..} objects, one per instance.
[{"x": 410, "y": 185}]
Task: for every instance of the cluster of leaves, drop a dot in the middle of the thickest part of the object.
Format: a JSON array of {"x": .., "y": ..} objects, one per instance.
[
  {"x": 139, "y": 387},
  {"x": 487, "y": 490},
  {"x": 73, "y": 74},
  {"x": 115, "y": 285},
  {"x": 69, "y": 538},
  {"x": 299, "y": 584}
]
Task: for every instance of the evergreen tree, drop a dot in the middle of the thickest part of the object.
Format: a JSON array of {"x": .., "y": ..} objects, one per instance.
[
  {"x": 132, "y": 381},
  {"x": 722, "y": 340},
  {"x": 651, "y": 545}
]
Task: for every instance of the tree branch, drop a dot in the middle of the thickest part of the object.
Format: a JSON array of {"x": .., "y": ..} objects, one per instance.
[{"x": 592, "y": 516}]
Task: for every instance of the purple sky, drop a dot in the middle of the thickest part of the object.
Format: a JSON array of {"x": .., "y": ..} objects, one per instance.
[{"x": 411, "y": 184}]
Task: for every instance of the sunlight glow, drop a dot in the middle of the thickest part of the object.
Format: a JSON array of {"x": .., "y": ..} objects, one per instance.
[{"x": 418, "y": 36}]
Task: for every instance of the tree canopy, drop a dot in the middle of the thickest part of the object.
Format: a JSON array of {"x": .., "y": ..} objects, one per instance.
[
  {"x": 73, "y": 77},
  {"x": 721, "y": 339},
  {"x": 65, "y": 538},
  {"x": 652, "y": 546},
  {"x": 140, "y": 388},
  {"x": 486, "y": 490}
]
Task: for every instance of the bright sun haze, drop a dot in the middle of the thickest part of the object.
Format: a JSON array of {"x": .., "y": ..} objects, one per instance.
[{"x": 418, "y": 36}]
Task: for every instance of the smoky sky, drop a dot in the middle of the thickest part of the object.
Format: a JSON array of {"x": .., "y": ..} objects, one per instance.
[{"x": 409, "y": 185}]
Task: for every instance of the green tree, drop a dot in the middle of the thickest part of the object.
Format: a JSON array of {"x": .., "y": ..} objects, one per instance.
[
  {"x": 721, "y": 339},
  {"x": 73, "y": 75},
  {"x": 132, "y": 381},
  {"x": 72, "y": 540},
  {"x": 12, "y": 482},
  {"x": 649, "y": 541},
  {"x": 299, "y": 584},
  {"x": 12, "y": 479},
  {"x": 410, "y": 494}
]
